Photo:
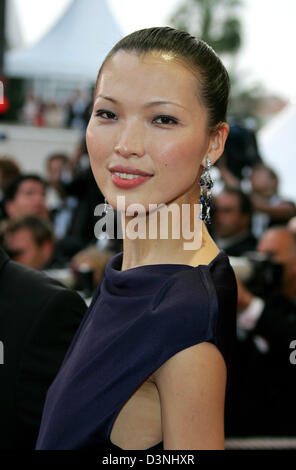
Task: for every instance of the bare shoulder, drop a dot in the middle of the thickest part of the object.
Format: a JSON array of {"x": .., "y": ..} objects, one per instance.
[
  {"x": 205, "y": 355},
  {"x": 191, "y": 386}
]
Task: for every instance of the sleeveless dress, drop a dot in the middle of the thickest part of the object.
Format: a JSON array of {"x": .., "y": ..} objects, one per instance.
[{"x": 137, "y": 320}]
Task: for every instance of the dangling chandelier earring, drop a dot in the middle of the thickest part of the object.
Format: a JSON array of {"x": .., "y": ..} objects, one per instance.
[{"x": 206, "y": 184}]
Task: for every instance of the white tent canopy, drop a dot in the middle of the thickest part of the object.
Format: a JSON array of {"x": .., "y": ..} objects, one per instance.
[
  {"x": 73, "y": 49},
  {"x": 277, "y": 146},
  {"x": 13, "y": 34}
]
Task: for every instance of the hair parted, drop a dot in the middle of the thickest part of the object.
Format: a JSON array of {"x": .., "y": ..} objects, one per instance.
[{"x": 213, "y": 77}]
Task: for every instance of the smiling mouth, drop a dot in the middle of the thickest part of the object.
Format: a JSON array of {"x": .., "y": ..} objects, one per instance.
[
  {"x": 127, "y": 176},
  {"x": 128, "y": 180}
]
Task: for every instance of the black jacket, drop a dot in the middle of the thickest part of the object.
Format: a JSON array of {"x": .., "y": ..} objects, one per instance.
[
  {"x": 38, "y": 318},
  {"x": 263, "y": 389}
]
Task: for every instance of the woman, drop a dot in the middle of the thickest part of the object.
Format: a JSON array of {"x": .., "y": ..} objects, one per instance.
[{"x": 148, "y": 366}]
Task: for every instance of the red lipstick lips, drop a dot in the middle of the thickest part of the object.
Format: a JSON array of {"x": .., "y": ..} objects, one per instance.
[
  {"x": 125, "y": 169},
  {"x": 126, "y": 183}
]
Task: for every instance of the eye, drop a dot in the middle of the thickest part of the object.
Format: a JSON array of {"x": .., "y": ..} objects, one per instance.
[
  {"x": 109, "y": 114},
  {"x": 166, "y": 120}
]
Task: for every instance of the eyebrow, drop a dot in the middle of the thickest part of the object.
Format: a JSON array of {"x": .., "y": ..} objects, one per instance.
[{"x": 146, "y": 105}]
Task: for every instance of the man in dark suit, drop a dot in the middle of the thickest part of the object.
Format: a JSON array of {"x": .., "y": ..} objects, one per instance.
[
  {"x": 38, "y": 319},
  {"x": 262, "y": 401},
  {"x": 232, "y": 218}
]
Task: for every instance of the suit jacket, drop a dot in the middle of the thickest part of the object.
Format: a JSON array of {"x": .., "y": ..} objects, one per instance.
[
  {"x": 38, "y": 318},
  {"x": 264, "y": 383},
  {"x": 242, "y": 246}
]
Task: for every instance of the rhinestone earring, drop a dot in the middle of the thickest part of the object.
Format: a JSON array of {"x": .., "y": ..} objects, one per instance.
[{"x": 206, "y": 184}]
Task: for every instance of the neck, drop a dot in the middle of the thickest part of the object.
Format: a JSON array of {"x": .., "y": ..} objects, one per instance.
[{"x": 181, "y": 238}]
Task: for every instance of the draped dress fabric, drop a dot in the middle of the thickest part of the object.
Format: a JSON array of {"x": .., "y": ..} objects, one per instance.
[{"x": 137, "y": 320}]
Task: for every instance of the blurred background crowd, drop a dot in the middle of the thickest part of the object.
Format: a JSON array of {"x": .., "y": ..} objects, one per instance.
[
  {"x": 73, "y": 113},
  {"x": 47, "y": 223}
]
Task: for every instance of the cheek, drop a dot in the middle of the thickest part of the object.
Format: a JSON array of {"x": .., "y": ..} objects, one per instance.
[
  {"x": 98, "y": 150},
  {"x": 98, "y": 144},
  {"x": 92, "y": 142},
  {"x": 183, "y": 154},
  {"x": 99, "y": 147},
  {"x": 22, "y": 202}
]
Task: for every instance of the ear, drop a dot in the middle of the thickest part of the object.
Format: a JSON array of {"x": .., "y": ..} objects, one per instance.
[{"x": 216, "y": 143}]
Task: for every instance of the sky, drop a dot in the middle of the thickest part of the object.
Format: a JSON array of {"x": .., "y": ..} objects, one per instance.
[{"x": 269, "y": 33}]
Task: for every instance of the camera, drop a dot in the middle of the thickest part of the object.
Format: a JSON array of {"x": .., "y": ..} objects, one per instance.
[{"x": 258, "y": 272}]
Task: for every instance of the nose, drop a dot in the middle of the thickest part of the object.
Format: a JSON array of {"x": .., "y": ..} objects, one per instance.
[{"x": 130, "y": 141}]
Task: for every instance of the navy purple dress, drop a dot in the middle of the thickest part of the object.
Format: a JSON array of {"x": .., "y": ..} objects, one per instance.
[{"x": 138, "y": 319}]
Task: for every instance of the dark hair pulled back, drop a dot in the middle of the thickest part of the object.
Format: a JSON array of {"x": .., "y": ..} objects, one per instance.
[{"x": 213, "y": 77}]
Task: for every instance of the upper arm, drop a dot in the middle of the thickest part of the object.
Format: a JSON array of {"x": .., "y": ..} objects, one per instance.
[{"x": 191, "y": 386}]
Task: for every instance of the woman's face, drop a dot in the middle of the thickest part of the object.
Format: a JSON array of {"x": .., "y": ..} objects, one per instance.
[{"x": 147, "y": 117}]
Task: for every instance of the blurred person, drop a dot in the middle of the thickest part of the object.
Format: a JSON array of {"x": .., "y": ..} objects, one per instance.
[
  {"x": 56, "y": 164},
  {"x": 79, "y": 159},
  {"x": 39, "y": 118},
  {"x": 9, "y": 170},
  {"x": 38, "y": 319},
  {"x": 30, "y": 110},
  {"x": 77, "y": 108},
  {"x": 79, "y": 183},
  {"x": 240, "y": 153},
  {"x": 93, "y": 260},
  {"x": 269, "y": 207},
  {"x": 291, "y": 225},
  {"x": 263, "y": 389},
  {"x": 227, "y": 178},
  {"x": 89, "y": 106},
  {"x": 65, "y": 210},
  {"x": 279, "y": 244},
  {"x": 72, "y": 197},
  {"x": 232, "y": 217},
  {"x": 26, "y": 195},
  {"x": 53, "y": 115},
  {"x": 30, "y": 241}
]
